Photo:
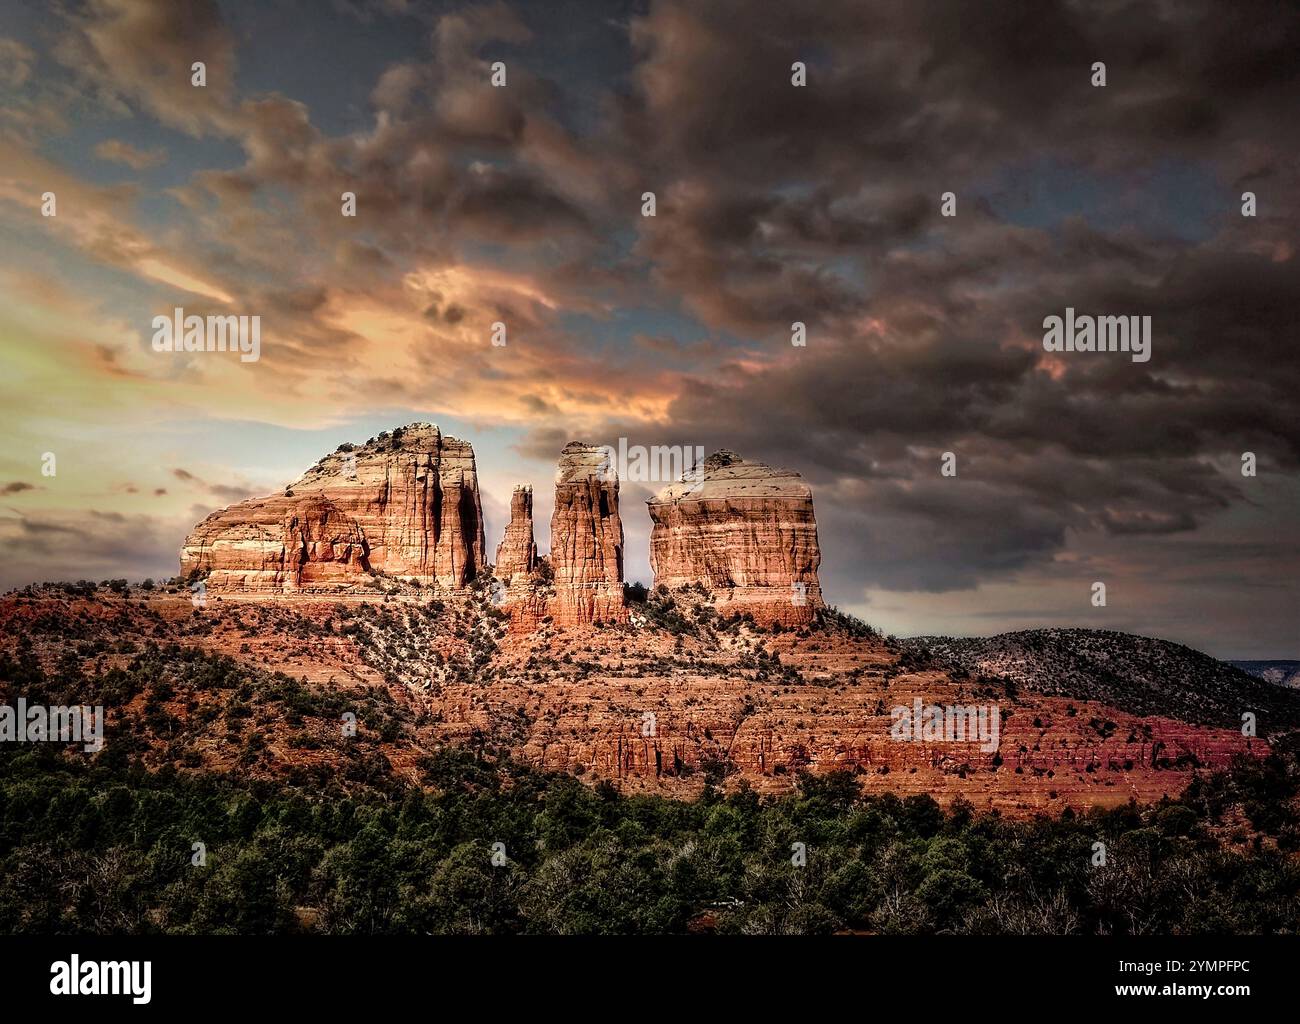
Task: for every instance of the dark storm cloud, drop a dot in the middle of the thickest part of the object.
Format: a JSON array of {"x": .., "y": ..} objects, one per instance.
[
  {"x": 505, "y": 206},
  {"x": 899, "y": 86},
  {"x": 137, "y": 52},
  {"x": 905, "y": 101},
  {"x": 926, "y": 535},
  {"x": 1105, "y": 444},
  {"x": 819, "y": 205},
  {"x": 84, "y": 545}
]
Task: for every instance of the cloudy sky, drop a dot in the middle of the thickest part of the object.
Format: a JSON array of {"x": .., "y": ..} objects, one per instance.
[{"x": 775, "y": 204}]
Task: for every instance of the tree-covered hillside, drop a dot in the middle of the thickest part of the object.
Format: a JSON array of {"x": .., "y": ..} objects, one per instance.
[{"x": 92, "y": 848}]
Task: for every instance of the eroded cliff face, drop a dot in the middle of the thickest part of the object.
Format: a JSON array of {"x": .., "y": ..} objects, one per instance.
[
  {"x": 744, "y": 531},
  {"x": 404, "y": 504},
  {"x": 322, "y": 546},
  {"x": 517, "y": 552},
  {"x": 586, "y": 539}
]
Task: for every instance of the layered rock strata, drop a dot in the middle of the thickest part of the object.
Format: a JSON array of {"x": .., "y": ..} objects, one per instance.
[
  {"x": 744, "y": 531},
  {"x": 517, "y": 552},
  {"x": 586, "y": 539},
  {"x": 404, "y": 504}
]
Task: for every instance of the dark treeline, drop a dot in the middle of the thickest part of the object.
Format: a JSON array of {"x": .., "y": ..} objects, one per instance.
[{"x": 95, "y": 848}]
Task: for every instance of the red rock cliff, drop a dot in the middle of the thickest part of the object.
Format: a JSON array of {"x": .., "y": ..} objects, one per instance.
[
  {"x": 517, "y": 552},
  {"x": 586, "y": 539},
  {"x": 746, "y": 532},
  {"x": 404, "y": 504}
]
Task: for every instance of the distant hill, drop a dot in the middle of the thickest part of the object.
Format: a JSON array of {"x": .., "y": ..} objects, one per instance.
[
  {"x": 1280, "y": 673},
  {"x": 1140, "y": 675}
]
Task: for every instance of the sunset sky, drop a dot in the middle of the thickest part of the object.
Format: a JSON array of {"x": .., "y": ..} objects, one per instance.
[{"x": 775, "y": 204}]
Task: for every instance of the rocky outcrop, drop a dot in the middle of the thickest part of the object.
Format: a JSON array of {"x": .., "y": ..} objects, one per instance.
[
  {"x": 322, "y": 546},
  {"x": 404, "y": 504},
  {"x": 745, "y": 532},
  {"x": 586, "y": 539},
  {"x": 517, "y": 552}
]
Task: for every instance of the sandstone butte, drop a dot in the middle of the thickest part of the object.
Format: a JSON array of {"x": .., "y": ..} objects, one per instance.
[
  {"x": 404, "y": 505},
  {"x": 746, "y": 533},
  {"x": 726, "y": 698}
]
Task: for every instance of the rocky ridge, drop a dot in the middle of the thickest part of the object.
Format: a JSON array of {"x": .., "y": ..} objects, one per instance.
[
  {"x": 667, "y": 702},
  {"x": 1142, "y": 675}
]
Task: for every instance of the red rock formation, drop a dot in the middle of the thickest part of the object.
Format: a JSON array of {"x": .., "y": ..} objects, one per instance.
[
  {"x": 647, "y": 708},
  {"x": 405, "y": 505},
  {"x": 586, "y": 539},
  {"x": 746, "y": 532},
  {"x": 322, "y": 546},
  {"x": 517, "y": 553}
]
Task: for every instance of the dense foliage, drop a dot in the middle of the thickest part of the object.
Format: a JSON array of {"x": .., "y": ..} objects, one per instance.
[{"x": 102, "y": 848}]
